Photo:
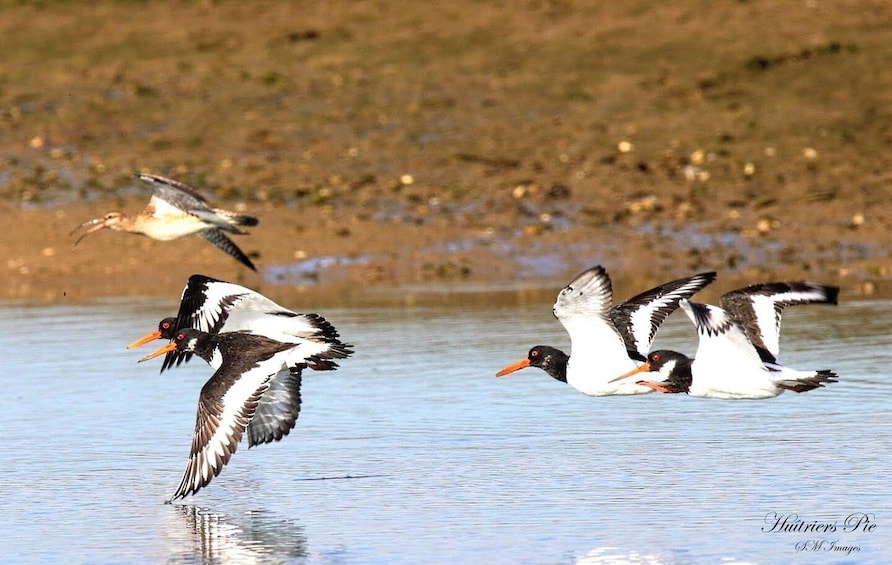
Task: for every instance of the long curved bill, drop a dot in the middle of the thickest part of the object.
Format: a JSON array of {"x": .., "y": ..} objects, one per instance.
[
  {"x": 96, "y": 223},
  {"x": 145, "y": 339},
  {"x": 522, "y": 364},
  {"x": 161, "y": 351},
  {"x": 643, "y": 368}
]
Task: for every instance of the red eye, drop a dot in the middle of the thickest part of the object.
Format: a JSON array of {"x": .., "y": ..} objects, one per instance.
[
  {"x": 655, "y": 356},
  {"x": 534, "y": 353},
  {"x": 181, "y": 336},
  {"x": 165, "y": 325}
]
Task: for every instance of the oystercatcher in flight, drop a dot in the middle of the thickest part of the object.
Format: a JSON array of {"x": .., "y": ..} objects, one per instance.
[
  {"x": 242, "y": 335},
  {"x": 255, "y": 389},
  {"x": 216, "y": 306},
  {"x": 606, "y": 338},
  {"x": 737, "y": 357}
]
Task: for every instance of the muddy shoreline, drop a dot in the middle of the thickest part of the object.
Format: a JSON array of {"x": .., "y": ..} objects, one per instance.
[{"x": 336, "y": 257}]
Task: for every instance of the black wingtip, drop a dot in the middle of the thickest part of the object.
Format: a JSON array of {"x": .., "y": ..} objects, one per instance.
[
  {"x": 219, "y": 239},
  {"x": 708, "y": 276},
  {"x": 199, "y": 279},
  {"x": 710, "y": 320}
]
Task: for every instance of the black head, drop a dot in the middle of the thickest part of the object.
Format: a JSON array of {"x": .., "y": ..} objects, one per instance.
[
  {"x": 551, "y": 360},
  {"x": 188, "y": 340},
  {"x": 673, "y": 367},
  {"x": 167, "y": 328}
]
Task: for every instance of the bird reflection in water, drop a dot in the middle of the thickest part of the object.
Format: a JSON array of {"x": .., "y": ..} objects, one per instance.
[{"x": 255, "y": 536}]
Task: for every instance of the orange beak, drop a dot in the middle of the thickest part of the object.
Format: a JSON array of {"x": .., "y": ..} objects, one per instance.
[
  {"x": 169, "y": 347},
  {"x": 97, "y": 224},
  {"x": 522, "y": 364},
  {"x": 640, "y": 369},
  {"x": 145, "y": 339}
]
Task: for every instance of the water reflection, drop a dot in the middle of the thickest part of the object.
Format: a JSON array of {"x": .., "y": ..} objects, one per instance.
[{"x": 257, "y": 536}]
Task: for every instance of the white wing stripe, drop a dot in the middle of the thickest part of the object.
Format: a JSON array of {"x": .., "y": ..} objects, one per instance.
[{"x": 768, "y": 321}]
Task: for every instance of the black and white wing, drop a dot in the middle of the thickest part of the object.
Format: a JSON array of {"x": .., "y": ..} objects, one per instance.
[
  {"x": 316, "y": 342},
  {"x": 227, "y": 404},
  {"x": 723, "y": 343},
  {"x": 206, "y": 304},
  {"x": 638, "y": 318},
  {"x": 226, "y": 307},
  {"x": 759, "y": 307},
  {"x": 278, "y": 408},
  {"x": 216, "y": 306}
]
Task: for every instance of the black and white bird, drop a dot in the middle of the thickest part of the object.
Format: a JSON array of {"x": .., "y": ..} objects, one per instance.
[
  {"x": 255, "y": 390},
  {"x": 216, "y": 307},
  {"x": 739, "y": 345},
  {"x": 174, "y": 211},
  {"x": 606, "y": 338}
]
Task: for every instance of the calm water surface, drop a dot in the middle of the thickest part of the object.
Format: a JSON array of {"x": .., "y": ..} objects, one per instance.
[{"x": 415, "y": 452}]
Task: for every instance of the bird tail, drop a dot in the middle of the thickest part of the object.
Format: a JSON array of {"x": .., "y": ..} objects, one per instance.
[
  {"x": 325, "y": 361},
  {"x": 234, "y": 219},
  {"x": 813, "y": 381},
  {"x": 335, "y": 348}
]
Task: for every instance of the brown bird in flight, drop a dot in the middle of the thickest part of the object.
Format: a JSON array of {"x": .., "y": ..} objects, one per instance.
[{"x": 174, "y": 211}]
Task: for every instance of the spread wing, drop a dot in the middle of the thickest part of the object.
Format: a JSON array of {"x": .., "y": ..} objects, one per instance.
[
  {"x": 723, "y": 343},
  {"x": 219, "y": 239},
  {"x": 583, "y": 307},
  {"x": 175, "y": 194},
  {"x": 227, "y": 404},
  {"x": 639, "y": 318},
  {"x": 278, "y": 408},
  {"x": 173, "y": 198},
  {"x": 204, "y": 305},
  {"x": 758, "y": 308}
]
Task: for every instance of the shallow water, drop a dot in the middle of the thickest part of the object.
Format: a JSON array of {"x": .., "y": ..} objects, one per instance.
[{"x": 414, "y": 452}]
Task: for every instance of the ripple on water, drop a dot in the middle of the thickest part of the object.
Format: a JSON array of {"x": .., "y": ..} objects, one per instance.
[{"x": 414, "y": 451}]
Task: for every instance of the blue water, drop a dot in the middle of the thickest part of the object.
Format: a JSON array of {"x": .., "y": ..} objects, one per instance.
[{"x": 413, "y": 452}]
